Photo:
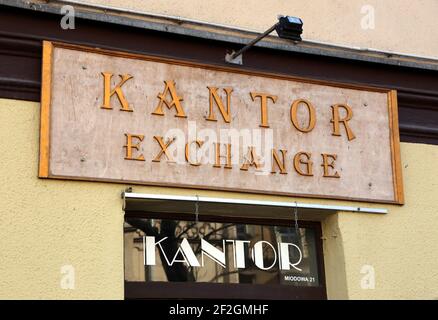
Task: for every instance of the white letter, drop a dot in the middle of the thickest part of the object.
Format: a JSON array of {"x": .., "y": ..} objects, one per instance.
[
  {"x": 189, "y": 254},
  {"x": 284, "y": 257},
  {"x": 240, "y": 253},
  {"x": 257, "y": 255},
  {"x": 212, "y": 252},
  {"x": 149, "y": 250}
]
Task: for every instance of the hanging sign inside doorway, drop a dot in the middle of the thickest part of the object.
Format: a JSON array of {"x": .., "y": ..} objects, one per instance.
[{"x": 119, "y": 117}]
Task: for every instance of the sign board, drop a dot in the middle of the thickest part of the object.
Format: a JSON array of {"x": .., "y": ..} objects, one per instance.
[
  {"x": 221, "y": 252},
  {"x": 134, "y": 119}
]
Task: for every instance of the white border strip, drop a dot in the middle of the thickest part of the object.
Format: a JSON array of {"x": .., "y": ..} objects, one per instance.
[{"x": 131, "y": 195}]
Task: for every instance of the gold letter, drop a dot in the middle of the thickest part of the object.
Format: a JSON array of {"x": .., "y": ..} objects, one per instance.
[
  {"x": 251, "y": 159},
  {"x": 336, "y": 119},
  {"x": 293, "y": 115},
  {"x": 264, "y": 105},
  {"x": 214, "y": 96},
  {"x": 280, "y": 164},
  {"x": 199, "y": 143},
  {"x": 164, "y": 147},
  {"x": 217, "y": 163},
  {"x": 176, "y": 101},
  {"x": 129, "y": 146},
  {"x": 308, "y": 163},
  {"x": 326, "y": 165},
  {"x": 108, "y": 93}
]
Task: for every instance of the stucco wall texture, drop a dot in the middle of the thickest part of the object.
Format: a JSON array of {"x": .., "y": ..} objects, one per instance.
[
  {"x": 398, "y": 26},
  {"x": 46, "y": 224}
]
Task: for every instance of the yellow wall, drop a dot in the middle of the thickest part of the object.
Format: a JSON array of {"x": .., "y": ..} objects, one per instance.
[
  {"x": 400, "y": 25},
  {"x": 403, "y": 244},
  {"x": 46, "y": 224}
]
